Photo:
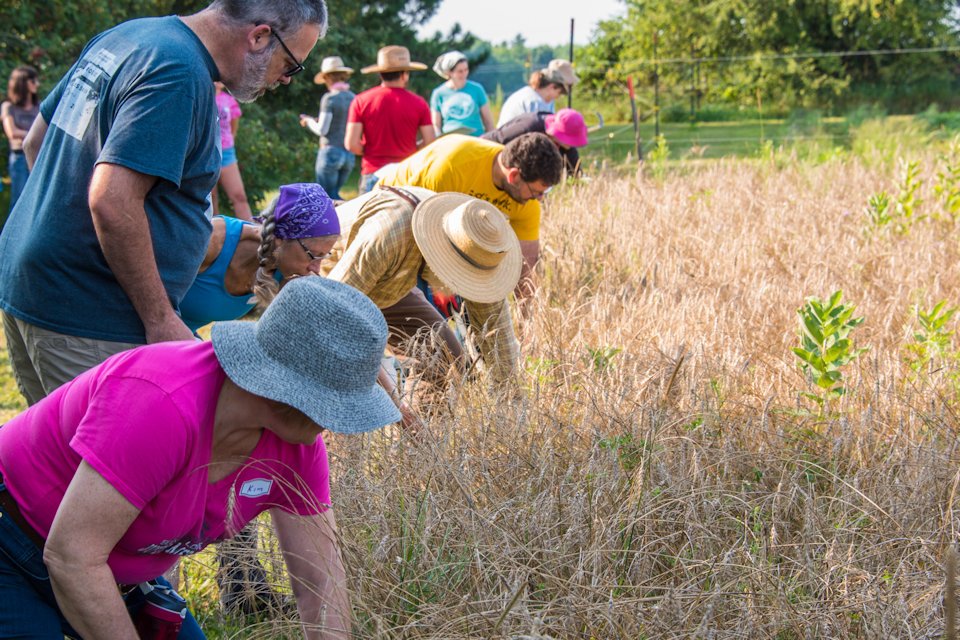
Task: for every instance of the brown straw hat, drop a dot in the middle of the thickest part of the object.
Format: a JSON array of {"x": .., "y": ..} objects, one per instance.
[
  {"x": 393, "y": 58},
  {"x": 469, "y": 245}
]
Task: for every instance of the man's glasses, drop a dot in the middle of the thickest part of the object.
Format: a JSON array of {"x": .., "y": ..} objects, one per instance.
[
  {"x": 538, "y": 195},
  {"x": 297, "y": 66},
  {"x": 309, "y": 253}
]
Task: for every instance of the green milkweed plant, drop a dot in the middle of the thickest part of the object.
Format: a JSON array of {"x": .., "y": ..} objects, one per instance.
[
  {"x": 932, "y": 342},
  {"x": 825, "y": 347}
]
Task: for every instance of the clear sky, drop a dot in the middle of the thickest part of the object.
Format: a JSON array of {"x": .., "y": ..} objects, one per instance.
[{"x": 538, "y": 21}]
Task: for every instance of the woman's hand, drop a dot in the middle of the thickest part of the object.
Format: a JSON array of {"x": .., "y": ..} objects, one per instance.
[
  {"x": 409, "y": 419},
  {"x": 91, "y": 519},
  {"x": 311, "y": 551}
]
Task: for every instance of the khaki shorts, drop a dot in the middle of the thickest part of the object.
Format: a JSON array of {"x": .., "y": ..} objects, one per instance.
[{"x": 42, "y": 360}]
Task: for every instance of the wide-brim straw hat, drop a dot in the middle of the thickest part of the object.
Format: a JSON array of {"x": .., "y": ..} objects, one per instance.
[
  {"x": 316, "y": 348},
  {"x": 331, "y": 64},
  {"x": 393, "y": 58},
  {"x": 469, "y": 245}
]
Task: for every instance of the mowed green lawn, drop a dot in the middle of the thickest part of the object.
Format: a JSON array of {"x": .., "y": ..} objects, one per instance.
[{"x": 719, "y": 139}]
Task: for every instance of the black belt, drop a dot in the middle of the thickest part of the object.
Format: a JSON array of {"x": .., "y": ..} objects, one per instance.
[
  {"x": 18, "y": 152},
  {"x": 13, "y": 511}
]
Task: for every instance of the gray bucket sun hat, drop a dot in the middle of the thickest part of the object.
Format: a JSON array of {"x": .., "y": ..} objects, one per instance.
[{"x": 316, "y": 348}]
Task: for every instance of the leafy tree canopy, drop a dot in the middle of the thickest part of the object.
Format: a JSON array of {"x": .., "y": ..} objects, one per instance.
[
  {"x": 273, "y": 147},
  {"x": 764, "y": 45}
]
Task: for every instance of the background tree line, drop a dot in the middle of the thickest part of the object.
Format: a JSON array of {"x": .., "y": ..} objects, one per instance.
[
  {"x": 761, "y": 50},
  {"x": 752, "y": 52},
  {"x": 272, "y": 146}
]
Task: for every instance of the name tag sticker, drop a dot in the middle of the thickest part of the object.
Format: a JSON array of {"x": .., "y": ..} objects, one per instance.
[{"x": 256, "y": 488}]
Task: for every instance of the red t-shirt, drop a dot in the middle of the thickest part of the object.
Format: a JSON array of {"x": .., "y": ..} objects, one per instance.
[{"x": 391, "y": 118}]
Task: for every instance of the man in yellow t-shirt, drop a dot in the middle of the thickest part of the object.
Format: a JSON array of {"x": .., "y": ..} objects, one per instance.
[{"x": 514, "y": 178}]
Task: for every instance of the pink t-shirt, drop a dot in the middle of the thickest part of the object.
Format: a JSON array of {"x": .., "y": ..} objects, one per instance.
[
  {"x": 144, "y": 420},
  {"x": 229, "y": 110},
  {"x": 391, "y": 118}
]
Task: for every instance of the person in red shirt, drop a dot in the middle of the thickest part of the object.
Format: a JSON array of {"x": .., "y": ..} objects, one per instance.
[{"x": 384, "y": 121}]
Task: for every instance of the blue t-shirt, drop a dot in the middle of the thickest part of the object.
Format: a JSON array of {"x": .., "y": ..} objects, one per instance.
[
  {"x": 460, "y": 108},
  {"x": 208, "y": 299},
  {"x": 141, "y": 96}
]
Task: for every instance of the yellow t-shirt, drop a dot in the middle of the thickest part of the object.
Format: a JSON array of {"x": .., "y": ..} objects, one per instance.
[{"x": 465, "y": 164}]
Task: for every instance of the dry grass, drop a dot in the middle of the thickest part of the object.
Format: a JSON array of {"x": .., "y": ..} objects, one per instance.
[{"x": 671, "y": 490}]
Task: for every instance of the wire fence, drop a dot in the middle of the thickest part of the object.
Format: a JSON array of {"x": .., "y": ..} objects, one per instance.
[
  {"x": 638, "y": 63},
  {"x": 683, "y": 109}
]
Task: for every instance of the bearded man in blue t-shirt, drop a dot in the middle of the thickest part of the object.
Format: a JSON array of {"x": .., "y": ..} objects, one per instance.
[{"x": 114, "y": 221}]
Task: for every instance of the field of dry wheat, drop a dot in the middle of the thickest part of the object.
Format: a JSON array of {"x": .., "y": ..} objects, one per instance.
[{"x": 657, "y": 472}]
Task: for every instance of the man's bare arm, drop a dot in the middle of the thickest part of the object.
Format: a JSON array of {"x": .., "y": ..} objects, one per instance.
[
  {"x": 352, "y": 137},
  {"x": 428, "y": 135},
  {"x": 117, "y": 196},
  {"x": 34, "y": 140},
  {"x": 527, "y": 285}
]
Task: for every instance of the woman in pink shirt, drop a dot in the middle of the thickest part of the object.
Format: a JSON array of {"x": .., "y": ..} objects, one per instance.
[
  {"x": 167, "y": 448},
  {"x": 228, "y": 110}
]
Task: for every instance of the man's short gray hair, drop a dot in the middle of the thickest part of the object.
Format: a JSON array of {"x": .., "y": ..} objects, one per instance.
[{"x": 283, "y": 16}]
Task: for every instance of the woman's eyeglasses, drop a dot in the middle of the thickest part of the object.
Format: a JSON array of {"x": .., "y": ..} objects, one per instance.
[{"x": 310, "y": 254}]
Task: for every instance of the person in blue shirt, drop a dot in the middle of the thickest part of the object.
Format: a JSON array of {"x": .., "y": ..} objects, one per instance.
[
  {"x": 459, "y": 105},
  {"x": 545, "y": 87},
  {"x": 245, "y": 262},
  {"x": 114, "y": 220}
]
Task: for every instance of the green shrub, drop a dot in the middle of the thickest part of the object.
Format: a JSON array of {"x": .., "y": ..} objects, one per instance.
[
  {"x": 273, "y": 149},
  {"x": 825, "y": 347}
]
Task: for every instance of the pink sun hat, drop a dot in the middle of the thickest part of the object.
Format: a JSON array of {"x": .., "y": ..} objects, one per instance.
[{"x": 568, "y": 127}]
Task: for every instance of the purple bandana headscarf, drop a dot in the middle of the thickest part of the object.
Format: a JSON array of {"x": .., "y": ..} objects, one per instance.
[{"x": 305, "y": 210}]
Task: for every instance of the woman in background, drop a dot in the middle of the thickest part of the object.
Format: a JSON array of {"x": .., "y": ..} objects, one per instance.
[
  {"x": 565, "y": 128},
  {"x": 545, "y": 86},
  {"x": 334, "y": 162},
  {"x": 17, "y": 113},
  {"x": 458, "y": 105},
  {"x": 231, "y": 181}
]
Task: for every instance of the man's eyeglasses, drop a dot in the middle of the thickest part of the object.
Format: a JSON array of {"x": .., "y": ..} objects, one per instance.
[
  {"x": 297, "y": 66},
  {"x": 537, "y": 194},
  {"x": 309, "y": 253}
]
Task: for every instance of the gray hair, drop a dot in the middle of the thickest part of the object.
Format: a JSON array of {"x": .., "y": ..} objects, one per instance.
[{"x": 284, "y": 16}]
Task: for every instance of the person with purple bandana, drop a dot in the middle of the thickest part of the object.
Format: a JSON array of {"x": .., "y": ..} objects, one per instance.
[
  {"x": 243, "y": 267},
  {"x": 299, "y": 227}
]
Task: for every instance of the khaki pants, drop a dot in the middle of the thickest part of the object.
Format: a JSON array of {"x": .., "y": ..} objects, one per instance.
[
  {"x": 418, "y": 331},
  {"x": 43, "y": 360}
]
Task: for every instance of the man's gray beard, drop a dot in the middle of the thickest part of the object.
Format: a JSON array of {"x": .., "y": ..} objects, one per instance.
[{"x": 251, "y": 84}]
